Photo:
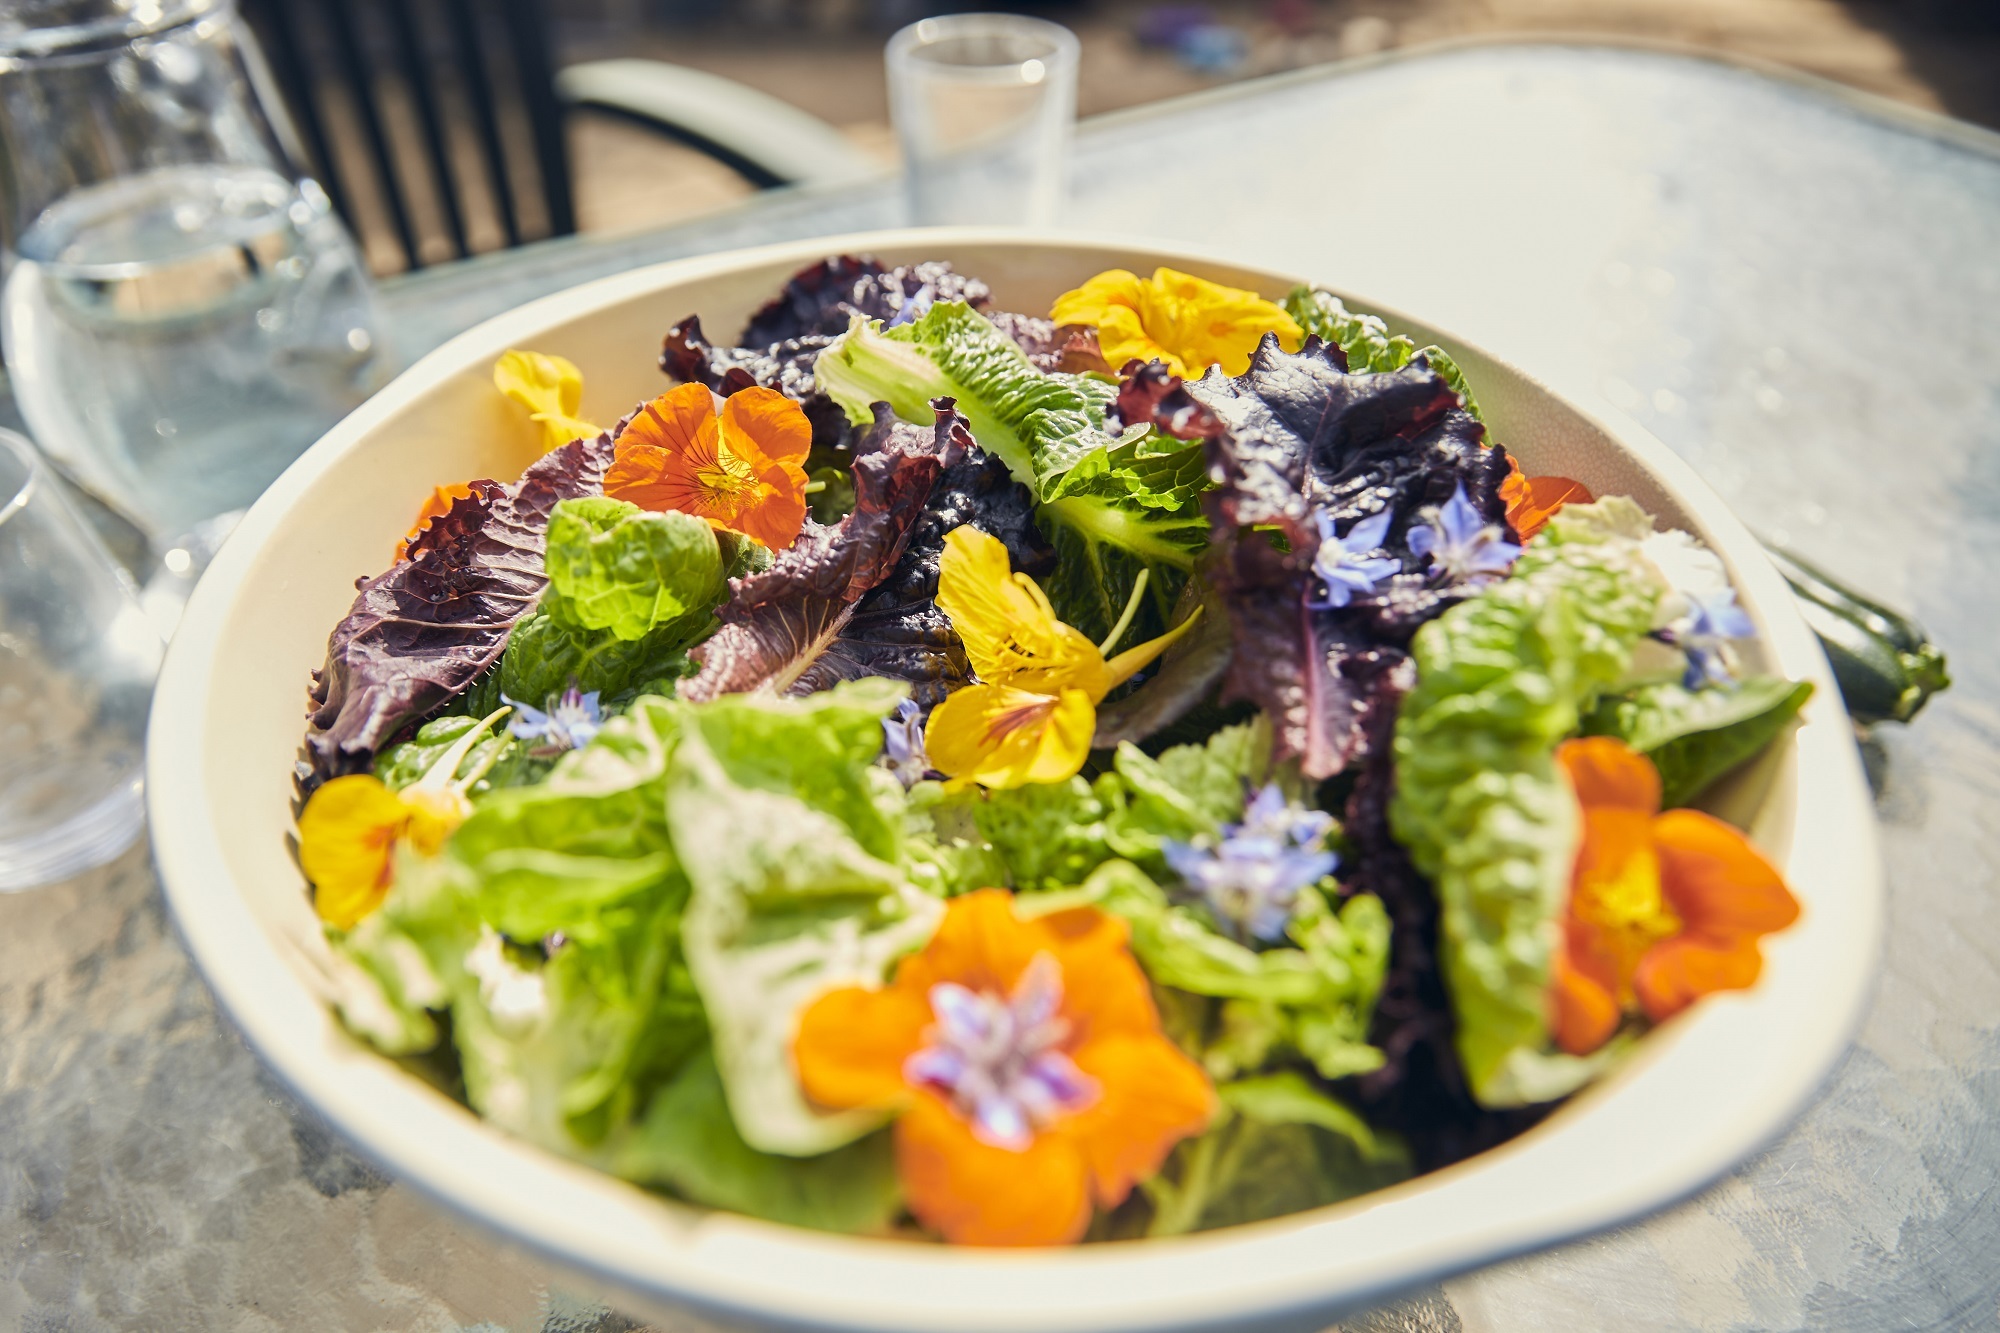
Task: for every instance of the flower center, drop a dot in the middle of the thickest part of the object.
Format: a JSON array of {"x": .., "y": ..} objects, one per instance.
[
  {"x": 1626, "y": 905},
  {"x": 999, "y": 1058},
  {"x": 1008, "y": 721},
  {"x": 722, "y": 477}
]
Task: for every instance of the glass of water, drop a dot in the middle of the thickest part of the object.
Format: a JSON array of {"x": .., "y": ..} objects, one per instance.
[
  {"x": 77, "y": 660},
  {"x": 183, "y": 312},
  {"x": 984, "y": 105}
]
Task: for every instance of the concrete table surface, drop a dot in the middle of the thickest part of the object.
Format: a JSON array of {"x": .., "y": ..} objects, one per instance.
[{"x": 1796, "y": 288}]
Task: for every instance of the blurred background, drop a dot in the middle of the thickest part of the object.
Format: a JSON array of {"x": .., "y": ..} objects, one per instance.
[{"x": 825, "y": 58}]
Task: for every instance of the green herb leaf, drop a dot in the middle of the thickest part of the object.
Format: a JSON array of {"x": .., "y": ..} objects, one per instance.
[
  {"x": 1697, "y": 736},
  {"x": 1366, "y": 341}
]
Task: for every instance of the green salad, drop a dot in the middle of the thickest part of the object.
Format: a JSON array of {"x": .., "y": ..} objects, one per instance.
[{"x": 1013, "y": 780}]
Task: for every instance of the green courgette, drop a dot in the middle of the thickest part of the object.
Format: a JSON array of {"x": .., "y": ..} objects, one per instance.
[{"x": 1886, "y": 666}]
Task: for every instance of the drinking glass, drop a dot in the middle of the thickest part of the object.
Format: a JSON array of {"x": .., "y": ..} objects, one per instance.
[
  {"x": 77, "y": 660},
  {"x": 183, "y": 312},
  {"x": 984, "y": 105}
]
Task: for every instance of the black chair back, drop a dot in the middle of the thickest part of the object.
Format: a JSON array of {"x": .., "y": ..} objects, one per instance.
[{"x": 433, "y": 124}]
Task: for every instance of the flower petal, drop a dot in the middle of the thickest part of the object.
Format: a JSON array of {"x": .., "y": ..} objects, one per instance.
[
  {"x": 1607, "y": 773},
  {"x": 1716, "y": 880},
  {"x": 1011, "y": 633},
  {"x": 657, "y": 454},
  {"x": 551, "y": 388},
  {"x": 765, "y": 427},
  {"x": 1003, "y": 737},
  {"x": 974, "y": 1193},
  {"x": 1678, "y": 972},
  {"x": 347, "y": 844},
  {"x": 1583, "y": 1011},
  {"x": 1105, "y": 993},
  {"x": 980, "y": 945},
  {"x": 851, "y": 1044},
  {"x": 1533, "y": 501},
  {"x": 1151, "y": 1097}
]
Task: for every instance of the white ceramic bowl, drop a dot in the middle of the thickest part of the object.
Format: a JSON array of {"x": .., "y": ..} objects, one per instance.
[{"x": 1705, "y": 1090}]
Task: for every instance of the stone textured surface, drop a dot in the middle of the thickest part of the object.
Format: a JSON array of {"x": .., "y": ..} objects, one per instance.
[{"x": 1794, "y": 292}]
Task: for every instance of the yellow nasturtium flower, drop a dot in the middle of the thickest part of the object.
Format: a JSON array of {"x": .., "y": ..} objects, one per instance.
[
  {"x": 1031, "y": 716},
  {"x": 1188, "y": 322},
  {"x": 551, "y": 388},
  {"x": 352, "y": 826}
]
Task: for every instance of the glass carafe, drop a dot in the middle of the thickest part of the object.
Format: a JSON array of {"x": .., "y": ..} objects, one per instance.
[{"x": 183, "y": 312}]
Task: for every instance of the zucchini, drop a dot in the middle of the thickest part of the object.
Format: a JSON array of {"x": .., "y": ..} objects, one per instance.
[{"x": 1886, "y": 666}]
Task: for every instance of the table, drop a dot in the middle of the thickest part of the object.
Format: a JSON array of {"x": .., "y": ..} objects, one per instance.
[{"x": 1795, "y": 287}]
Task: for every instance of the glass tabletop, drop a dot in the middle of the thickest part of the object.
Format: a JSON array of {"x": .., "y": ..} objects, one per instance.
[{"x": 1792, "y": 285}]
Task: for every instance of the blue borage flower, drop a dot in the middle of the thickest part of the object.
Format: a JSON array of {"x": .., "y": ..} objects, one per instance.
[
  {"x": 1000, "y": 1059},
  {"x": 1252, "y": 878},
  {"x": 571, "y": 722},
  {"x": 915, "y": 306},
  {"x": 1345, "y": 563},
  {"x": 1460, "y": 544},
  {"x": 903, "y": 744},
  {"x": 1704, "y": 634}
]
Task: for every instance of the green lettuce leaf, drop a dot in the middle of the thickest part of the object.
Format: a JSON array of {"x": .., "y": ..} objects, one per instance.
[
  {"x": 614, "y": 566},
  {"x": 1697, "y": 736},
  {"x": 778, "y": 815},
  {"x": 1113, "y": 506},
  {"x": 1366, "y": 342},
  {"x": 1502, "y": 679},
  {"x": 544, "y": 656},
  {"x": 688, "y": 1143}
]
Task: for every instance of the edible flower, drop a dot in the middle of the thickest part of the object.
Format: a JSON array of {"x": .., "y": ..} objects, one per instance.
[
  {"x": 1461, "y": 545},
  {"x": 1252, "y": 878},
  {"x": 1026, "y": 1061},
  {"x": 571, "y": 722},
  {"x": 903, "y": 744},
  {"x": 1187, "y": 322},
  {"x": 1533, "y": 501},
  {"x": 741, "y": 468},
  {"x": 1663, "y": 907},
  {"x": 914, "y": 307},
  {"x": 551, "y": 388},
  {"x": 1031, "y": 716},
  {"x": 1345, "y": 564},
  {"x": 352, "y": 826},
  {"x": 1704, "y": 634},
  {"x": 437, "y": 505}
]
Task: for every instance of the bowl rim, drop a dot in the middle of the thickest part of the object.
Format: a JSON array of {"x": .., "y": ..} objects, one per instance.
[{"x": 1291, "y": 1271}]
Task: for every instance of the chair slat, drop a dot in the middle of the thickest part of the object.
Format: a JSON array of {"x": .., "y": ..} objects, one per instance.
[
  {"x": 528, "y": 30},
  {"x": 410, "y": 55},
  {"x": 464, "y": 26},
  {"x": 356, "y": 70},
  {"x": 295, "y": 79}
]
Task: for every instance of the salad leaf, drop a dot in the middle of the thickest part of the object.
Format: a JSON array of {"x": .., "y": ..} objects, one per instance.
[
  {"x": 544, "y": 655},
  {"x": 1696, "y": 736},
  {"x": 614, "y": 566},
  {"x": 776, "y": 810},
  {"x": 1048, "y": 835},
  {"x": 1187, "y": 675},
  {"x": 1051, "y": 346},
  {"x": 824, "y": 298},
  {"x": 780, "y": 624},
  {"x": 689, "y": 1144},
  {"x": 1365, "y": 341},
  {"x": 1501, "y": 680},
  {"x": 434, "y": 622}
]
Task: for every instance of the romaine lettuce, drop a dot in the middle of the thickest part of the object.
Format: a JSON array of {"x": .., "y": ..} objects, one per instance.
[
  {"x": 1479, "y": 802},
  {"x": 614, "y": 566}
]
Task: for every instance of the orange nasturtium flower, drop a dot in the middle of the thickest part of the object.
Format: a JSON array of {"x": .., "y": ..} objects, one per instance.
[
  {"x": 551, "y": 388},
  {"x": 1663, "y": 908},
  {"x": 436, "y": 505},
  {"x": 742, "y": 468},
  {"x": 351, "y": 827},
  {"x": 1032, "y": 713},
  {"x": 1188, "y": 322},
  {"x": 1533, "y": 501},
  {"x": 1027, "y": 1063}
]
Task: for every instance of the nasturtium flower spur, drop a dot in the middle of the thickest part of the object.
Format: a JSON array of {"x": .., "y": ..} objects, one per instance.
[
  {"x": 741, "y": 467},
  {"x": 1251, "y": 879},
  {"x": 1663, "y": 907},
  {"x": 1187, "y": 322},
  {"x": 1032, "y": 713},
  {"x": 551, "y": 388},
  {"x": 352, "y": 826},
  {"x": 1348, "y": 566},
  {"x": 1462, "y": 546},
  {"x": 1026, "y": 1065}
]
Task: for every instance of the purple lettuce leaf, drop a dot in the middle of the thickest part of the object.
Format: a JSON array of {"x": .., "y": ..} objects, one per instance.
[
  {"x": 1069, "y": 348},
  {"x": 422, "y": 632},
  {"x": 823, "y": 298},
  {"x": 777, "y": 625},
  {"x": 1296, "y": 442}
]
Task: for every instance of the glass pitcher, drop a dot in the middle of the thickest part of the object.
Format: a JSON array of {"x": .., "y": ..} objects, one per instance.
[{"x": 183, "y": 312}]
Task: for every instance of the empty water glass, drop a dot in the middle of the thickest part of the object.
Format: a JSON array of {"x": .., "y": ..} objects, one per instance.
[
  {"x": 984, "y": 105},
  {"x": 77, "y": 660}
]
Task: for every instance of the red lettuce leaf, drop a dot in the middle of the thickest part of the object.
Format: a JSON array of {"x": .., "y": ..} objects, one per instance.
[
  {"x": 1293, "y": 440},
  {"x": 422, "y": 632},
  {"x": 823, "y": 298}
]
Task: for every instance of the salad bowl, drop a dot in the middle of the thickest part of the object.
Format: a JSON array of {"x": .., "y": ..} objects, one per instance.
[{"x": 1702, "y": 1092}]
